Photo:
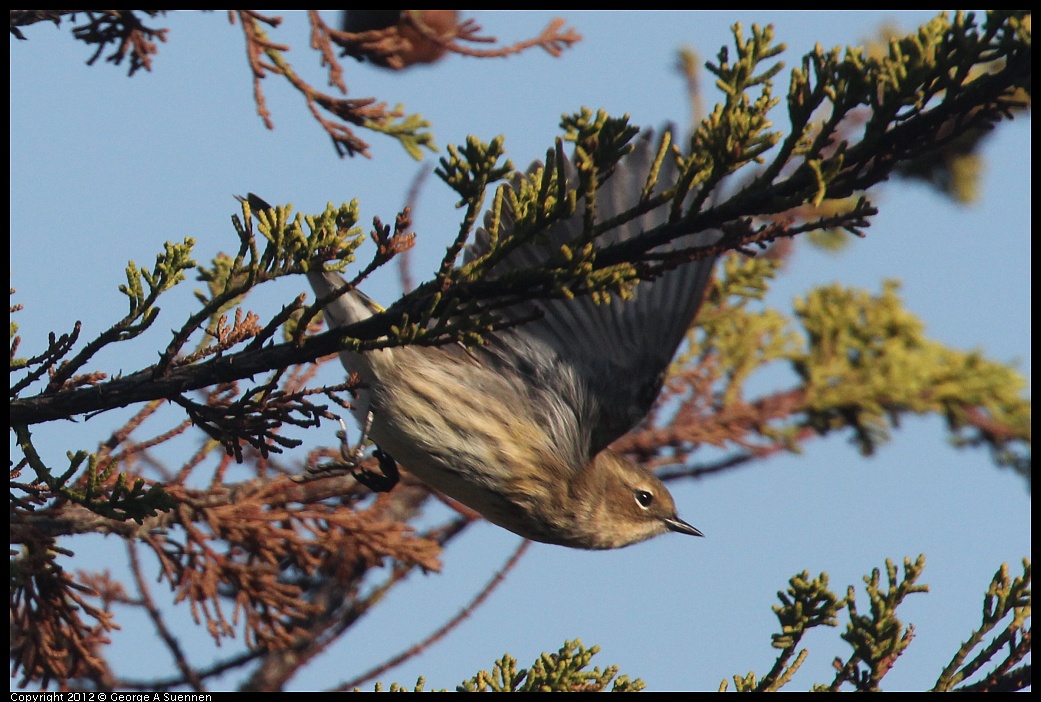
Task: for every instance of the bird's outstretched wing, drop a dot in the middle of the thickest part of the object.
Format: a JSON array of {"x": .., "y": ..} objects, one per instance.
[{"x": 606, "y": 361}]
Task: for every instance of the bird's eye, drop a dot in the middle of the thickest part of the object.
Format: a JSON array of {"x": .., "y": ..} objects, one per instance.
[{"x": 644, "y": 498}]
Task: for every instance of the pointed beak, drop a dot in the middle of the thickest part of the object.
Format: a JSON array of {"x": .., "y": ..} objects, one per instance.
[{"x": 681, "y": 527}]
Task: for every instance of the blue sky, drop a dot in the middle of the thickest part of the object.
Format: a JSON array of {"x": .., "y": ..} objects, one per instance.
[{"x": 104, "y": 169}]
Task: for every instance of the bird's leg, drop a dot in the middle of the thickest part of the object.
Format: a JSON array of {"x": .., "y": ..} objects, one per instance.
[
  {"x": 388, "y": 476},
  {"x": 382, "y": 481},
  {"x": 352, "y": 456}
]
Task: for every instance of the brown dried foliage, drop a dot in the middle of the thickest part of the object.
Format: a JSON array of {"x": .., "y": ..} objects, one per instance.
[
  {"x": 405, "y": 38},
  {"x": 56, "y": 633},
  {"x": 394, "y": 39},
  {"x": 268, "y": 559}
]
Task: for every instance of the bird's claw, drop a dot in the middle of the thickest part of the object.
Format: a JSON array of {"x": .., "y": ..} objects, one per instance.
[
  {"x": 382, "y": 481},
  {"x": 385, "y": 479}
]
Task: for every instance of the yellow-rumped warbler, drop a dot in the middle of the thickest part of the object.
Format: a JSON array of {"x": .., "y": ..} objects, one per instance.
[{"x": 518, "y": 429}]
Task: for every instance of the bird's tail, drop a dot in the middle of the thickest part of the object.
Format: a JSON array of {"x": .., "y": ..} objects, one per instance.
[{"x": 348, "y": 308}]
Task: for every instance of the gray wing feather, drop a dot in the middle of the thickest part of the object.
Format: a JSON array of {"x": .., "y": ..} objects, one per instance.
[{"x": 606, "y": 361}]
